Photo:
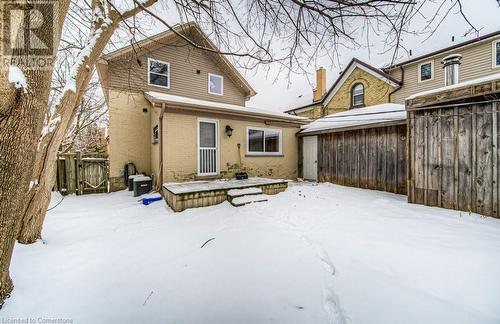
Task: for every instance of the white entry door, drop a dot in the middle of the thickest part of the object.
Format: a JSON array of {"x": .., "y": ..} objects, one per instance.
[
  {"x": 310, "y": 157},
  {"x": 208, "y": 147}
]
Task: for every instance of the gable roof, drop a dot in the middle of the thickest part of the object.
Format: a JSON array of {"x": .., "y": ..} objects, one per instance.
[
  {"x": 193, "y": 31},
  {"x": 443, "y": 50},
  {"x": 353, "y": 64},
  {"x": 356, "y": 63}
]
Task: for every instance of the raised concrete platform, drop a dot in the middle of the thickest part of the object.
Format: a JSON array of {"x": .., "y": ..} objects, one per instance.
[{"x": 181, "y": 196}]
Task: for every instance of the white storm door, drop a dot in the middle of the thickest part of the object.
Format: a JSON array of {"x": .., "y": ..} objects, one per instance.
[
  {"x": 208, "y": 147},
  {"x": 310, "y": 157}
]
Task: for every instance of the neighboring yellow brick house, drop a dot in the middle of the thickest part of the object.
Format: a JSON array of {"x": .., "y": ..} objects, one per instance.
[
  {"x": 359, "y": 85},
  {"x": 178, "y": 113},
  {"x": 360, "y": 81}
]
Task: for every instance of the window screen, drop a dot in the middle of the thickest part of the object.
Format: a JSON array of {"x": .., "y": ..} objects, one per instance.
[{"x": 207, "y": 134}]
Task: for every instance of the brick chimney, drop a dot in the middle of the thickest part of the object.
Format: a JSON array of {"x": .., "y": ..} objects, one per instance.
[{"x": 320, "y": 90}]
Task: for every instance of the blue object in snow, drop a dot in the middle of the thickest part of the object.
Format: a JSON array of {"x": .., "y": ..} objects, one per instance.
[{"x": 149, "y": 200}]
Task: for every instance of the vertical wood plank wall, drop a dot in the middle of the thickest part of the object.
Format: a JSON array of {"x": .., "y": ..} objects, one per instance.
[
  {"x": 453, "y": 157},
  {"x": 373, "y": 158}
]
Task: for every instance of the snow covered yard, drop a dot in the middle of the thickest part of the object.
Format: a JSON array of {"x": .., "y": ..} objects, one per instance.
[{"x": 312, "y": 254}]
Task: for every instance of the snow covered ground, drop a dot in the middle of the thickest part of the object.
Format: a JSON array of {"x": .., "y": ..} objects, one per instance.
[{"x": 312, "y": 254}]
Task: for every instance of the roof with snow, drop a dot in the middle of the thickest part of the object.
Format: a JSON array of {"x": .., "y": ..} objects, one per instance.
[
  {"x": 217, "y": 107},
  {"x": 372, "y": 116}
]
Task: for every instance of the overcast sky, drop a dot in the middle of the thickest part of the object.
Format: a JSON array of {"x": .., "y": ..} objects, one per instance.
[
  {"x": 484, "y": 14},
  {"x": 279, "y": 93}
]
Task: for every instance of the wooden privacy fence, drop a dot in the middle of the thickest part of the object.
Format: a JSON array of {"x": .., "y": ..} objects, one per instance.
[
  {"x": 371, "y": 158},
  {"x": 454, "y": 157},
  {"x": 453, "y": 147},
  {"x": 82, "y": 174}
]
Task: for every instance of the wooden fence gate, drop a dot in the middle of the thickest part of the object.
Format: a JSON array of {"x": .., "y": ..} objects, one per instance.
[{"x": 82, "y": 173}]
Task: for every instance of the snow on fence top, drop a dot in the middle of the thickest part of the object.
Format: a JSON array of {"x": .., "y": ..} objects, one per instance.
[
  {"x": 156, "y": 96},
  {"x": 469, "y": 83},
  {"x": 358, "y": 117}
]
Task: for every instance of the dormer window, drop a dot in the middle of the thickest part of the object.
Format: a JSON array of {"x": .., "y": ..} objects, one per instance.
[
  {"x": 358, "y": 95},
  {"x": 158, "y": 73},
  {"x": 215, "y": 84}
]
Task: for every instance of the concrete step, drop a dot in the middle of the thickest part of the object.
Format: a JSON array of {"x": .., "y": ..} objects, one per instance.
[
  {"x": 248, "y": 199},
  {"x": 233, "y": 193}
]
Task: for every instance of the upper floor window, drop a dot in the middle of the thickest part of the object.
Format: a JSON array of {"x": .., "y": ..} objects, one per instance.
[
  {"x": 358, "y": 95},
  {"x": 426, "y": 71},
  {"x": 215, "y": 84},
  {"x": 263, "y": 141},
  {"x": 496, "y": 53},
  {"x": 158, "y": 73}
]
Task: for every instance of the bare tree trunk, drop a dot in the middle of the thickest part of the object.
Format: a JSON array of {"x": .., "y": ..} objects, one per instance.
[
  {"x": 34, "y": 215},
  {"x": 38, "y": 200},
  {"x": 22, "y": 111},
  {"x": 24, "y": 114}
]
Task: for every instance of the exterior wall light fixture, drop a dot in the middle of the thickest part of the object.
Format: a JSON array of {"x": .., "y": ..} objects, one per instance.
[{"x": 229, "y": 131}]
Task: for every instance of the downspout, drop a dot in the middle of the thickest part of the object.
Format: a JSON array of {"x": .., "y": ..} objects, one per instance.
[
  {"x": 160, "y": 153},
  {"x": 400, "y": 85}
]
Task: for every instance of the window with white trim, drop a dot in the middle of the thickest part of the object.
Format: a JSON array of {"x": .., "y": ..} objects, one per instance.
[
  {"x": 158, "y": 73},
  {"x": 215, "y": 84},
  {"x": 263, "y": 141},
  {"x": 425, "y": 71},
  {"x": 496, "y": 53},
  {"x": 358, "y": 95}
]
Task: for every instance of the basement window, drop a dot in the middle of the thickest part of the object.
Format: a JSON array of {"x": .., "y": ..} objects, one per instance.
[
  {"x": 263, "y": 141},
  {"x": 158, "y": 73},
  {"x": 426, "y": 71},
  {"x": 215, "y": 84}
]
